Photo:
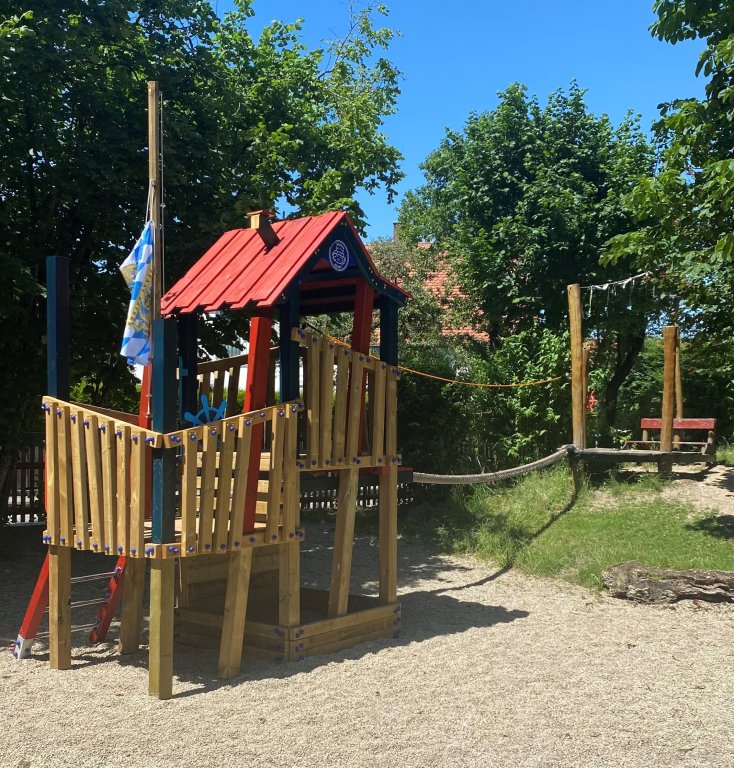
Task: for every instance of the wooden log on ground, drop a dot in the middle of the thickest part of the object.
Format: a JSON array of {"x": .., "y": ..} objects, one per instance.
[{"x": 644, "y": 584}]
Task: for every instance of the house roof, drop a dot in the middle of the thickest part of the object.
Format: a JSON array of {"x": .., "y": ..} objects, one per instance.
[{"x": 240, "y": 272}]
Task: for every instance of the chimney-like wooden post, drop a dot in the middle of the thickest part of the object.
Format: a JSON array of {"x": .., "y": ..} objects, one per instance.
[{"x": 260, "y": 220}]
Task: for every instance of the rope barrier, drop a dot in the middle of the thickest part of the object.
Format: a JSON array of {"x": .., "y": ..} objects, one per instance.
[
  {"x": 478, "y": 384},
  {"x": 494, "y": 477}
]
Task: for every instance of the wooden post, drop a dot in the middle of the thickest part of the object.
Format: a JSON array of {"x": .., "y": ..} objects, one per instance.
[
  {"x": 132, "y": 605},
  {"x": 678, "y": 394},
  {"x": 341, "y": 569},
  {"x": 578, "y": 396},
  {"x": 235, "y": 608},
  {"x": 160, "y": 662},
  {"x": 154, "y": 174},
  {"x": 188, "y": 384},
  {"x": 670, "y": 341},
  {"x": 288, "y": 320},
  {"x": 59, "y": 607},
  {"x": 578, "y": 379}
]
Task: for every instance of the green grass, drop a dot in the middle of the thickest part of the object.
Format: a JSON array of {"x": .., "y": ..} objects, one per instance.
[
  {"x": 725, "y": 454},
  {"x": 535, "y": 526}
]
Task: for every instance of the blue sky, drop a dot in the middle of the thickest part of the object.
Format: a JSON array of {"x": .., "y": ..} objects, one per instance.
[{"x": 456, "y": 56}]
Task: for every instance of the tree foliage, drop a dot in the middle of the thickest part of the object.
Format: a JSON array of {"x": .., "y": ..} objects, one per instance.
[
  {"x": 685, "y": 226},
  {"x": 522, "y": 202},
  {"x": 247, "y": 123}
]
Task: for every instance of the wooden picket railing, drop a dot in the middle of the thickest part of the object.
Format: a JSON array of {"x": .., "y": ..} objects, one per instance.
[
  {"x": 351, "y": 405},
  {"x": 220, "y": 380},
  {"x": 97, "y": 470}
]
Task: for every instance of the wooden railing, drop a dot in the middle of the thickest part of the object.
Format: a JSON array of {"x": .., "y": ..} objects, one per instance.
[
  {"x": 96, "y": 476},
  {"x": 97, "y": 471},
  {"x": 220, "y": 380},
  {"x": 351, "y": 404}
]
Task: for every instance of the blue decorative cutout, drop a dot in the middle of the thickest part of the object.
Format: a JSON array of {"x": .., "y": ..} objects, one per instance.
[{"x": 207, "y": 414}]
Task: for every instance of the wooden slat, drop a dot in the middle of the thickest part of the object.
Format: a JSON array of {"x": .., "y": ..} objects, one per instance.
[
  {"x": 53, "y": 522},
  {"x": 377, "y": 398},
  {"x": 239, "y": 482},
  {"x": 682, "y": 424},
  {"x": 81, "y": 494},
  {"x": 218, "y": 389},
  {"x": 132, "y": 602},
  {"x": 235, "y": 608},
  {"x": 108, "y": 440},
  {"x": 188, "y": 493},
  {"x": 233, "y": 389},
  {"x": 356, "y": 403},
  {"x": 138, "y": 486},
  {"x": 313, "y": 399},
  {"x": 123, "y": 488},
  {"x": 340, "y": 408},
  {"x": 275, "y": 495},
  {"x": 291, "y": 475},
  {"x": 94, "y": 476},
  {"x": 224, "y": 489},
  {"x": 205, "y": 387},
  {"x": 64, "y": 480},
  {"x": 326, "y": 405},
  {"x": 343, "y": 542},
  {"x": 206, "y": 497}
]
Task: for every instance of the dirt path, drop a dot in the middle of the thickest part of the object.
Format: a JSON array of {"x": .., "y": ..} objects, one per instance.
[
  {"x": 707, "y": 491},
  {"x": 490, "y": 670}
]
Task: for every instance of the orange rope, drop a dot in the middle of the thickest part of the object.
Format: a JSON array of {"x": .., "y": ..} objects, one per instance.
[{"x": 454, "y": 381}]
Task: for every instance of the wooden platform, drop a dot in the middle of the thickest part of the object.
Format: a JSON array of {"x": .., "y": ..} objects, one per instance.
[{"x": 622, "y": 455}]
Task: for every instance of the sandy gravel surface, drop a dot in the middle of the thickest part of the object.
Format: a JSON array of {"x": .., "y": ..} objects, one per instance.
[{"x": 492, "y": 669}]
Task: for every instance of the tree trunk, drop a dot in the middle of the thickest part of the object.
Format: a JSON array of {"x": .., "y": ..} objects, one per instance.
[
  {"x": 644, "y": 584},
  {"x": 627, "y": 354}
]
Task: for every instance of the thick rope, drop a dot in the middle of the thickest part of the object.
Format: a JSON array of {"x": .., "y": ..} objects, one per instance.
[{"x": 494, "y": 477}]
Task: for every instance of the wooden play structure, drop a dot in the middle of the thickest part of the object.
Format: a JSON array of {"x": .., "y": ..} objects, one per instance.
[
  {"x": 213, "y": 508},
  {"x": 666, "y": 446}
]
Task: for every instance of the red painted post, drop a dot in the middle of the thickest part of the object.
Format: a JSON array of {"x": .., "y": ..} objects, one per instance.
[
  {"x": 255, "y": 394},
  {"x": 33, "y": 615}
]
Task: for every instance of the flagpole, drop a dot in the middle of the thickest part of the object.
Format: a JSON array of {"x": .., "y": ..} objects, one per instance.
[
  {"x": 154, "y": 174},
  {"x": 154, "y": 195}
]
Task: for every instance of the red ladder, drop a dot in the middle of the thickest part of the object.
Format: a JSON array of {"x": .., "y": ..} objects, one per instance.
[{"x": 38, "y": 605}]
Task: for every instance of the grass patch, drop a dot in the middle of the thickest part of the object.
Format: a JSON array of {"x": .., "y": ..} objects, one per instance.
[{"x": 534, "y": 526}]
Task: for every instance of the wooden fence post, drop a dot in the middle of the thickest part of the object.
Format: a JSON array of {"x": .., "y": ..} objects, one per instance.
[
  {"x": 578, "y": 378},
  {"x": 678, "y": 393},
  {"x": 670, "y": 342}
]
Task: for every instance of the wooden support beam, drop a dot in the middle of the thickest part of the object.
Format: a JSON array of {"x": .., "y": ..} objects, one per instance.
[
  {"x": 578, "y": 396},
  {"x": 388, "y": 499},
  {"x": 132, "y": 605},
  {"x": 343, "y": 542},
  {"x": 288, "y": 320},
  {"x": 289, "y": 584},
  {"x": 235, "y": 608},
  {"x": 389, "y": 332},
  {"x": 670, "y": 342},
  {"x": 59, "y": 607},
  {"x": 160, "y": 662},
  {"x": 188, "y": 385}
]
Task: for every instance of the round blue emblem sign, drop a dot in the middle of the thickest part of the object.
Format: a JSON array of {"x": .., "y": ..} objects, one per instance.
[{"x": 339, "y": 255}]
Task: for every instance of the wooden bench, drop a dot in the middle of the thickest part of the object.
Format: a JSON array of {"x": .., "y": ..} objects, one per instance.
[{"x": 706, "y": 447}]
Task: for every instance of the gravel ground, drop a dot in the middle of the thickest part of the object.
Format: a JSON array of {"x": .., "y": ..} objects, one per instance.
[{"x": 491, "y": 669}]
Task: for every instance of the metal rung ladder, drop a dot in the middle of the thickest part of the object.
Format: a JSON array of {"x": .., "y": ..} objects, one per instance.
[{"x": 38, "y": 606}]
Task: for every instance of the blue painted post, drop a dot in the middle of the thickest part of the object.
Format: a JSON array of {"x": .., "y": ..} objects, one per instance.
[
  {"x": 389, "y": 331},
  {"x": 57, "y": 326},
  {"x": 288, "y": 317},
  {"x": 165, "y": 411},
  {"x": 187, "y": 361}
]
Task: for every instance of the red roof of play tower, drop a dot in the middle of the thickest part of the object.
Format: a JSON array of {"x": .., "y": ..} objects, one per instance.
[{"x": 239, "y": 270}]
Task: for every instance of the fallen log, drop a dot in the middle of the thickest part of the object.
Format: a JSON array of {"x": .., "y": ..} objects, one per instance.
[{"x": 644, "y": 584}]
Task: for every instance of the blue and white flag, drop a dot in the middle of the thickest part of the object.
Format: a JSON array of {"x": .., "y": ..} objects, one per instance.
[{"x": 137, "y": 269}]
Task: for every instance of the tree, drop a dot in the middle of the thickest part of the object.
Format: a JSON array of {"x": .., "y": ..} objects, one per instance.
[
  {"x": 684, "y": 222},
  {"x": 522, "y": 201},
  {"x": 248, "y": 123}
]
